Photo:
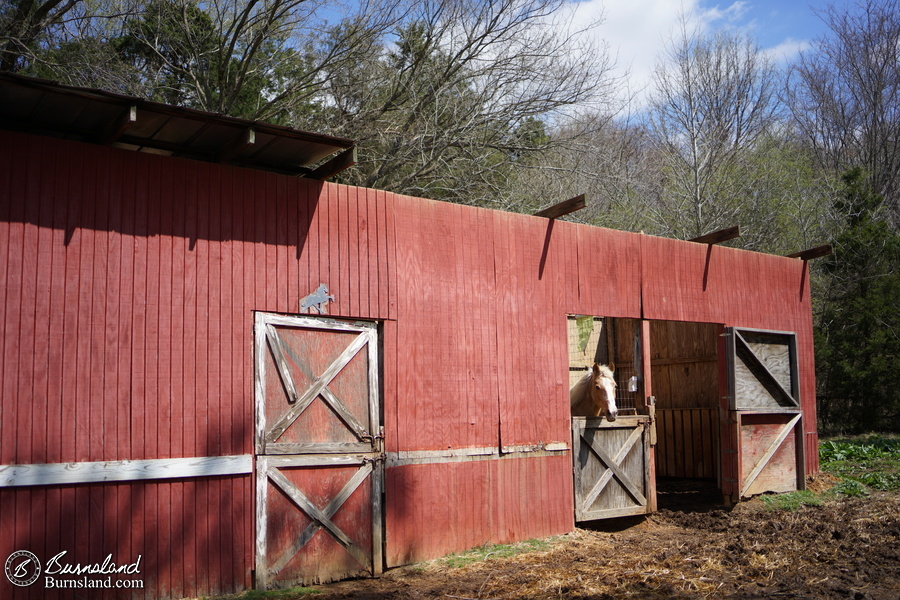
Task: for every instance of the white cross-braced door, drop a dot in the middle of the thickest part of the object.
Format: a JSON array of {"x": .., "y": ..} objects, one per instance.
[{"x": 319, "y": 450}]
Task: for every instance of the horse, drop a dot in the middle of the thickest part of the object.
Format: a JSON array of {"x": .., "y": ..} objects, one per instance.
[{"x": 595, "y": 393}]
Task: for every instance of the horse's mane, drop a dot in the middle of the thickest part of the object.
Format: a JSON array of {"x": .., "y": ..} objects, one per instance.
[{"x": 580, "y": 388}]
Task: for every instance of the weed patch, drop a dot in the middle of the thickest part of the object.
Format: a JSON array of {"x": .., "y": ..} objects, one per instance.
[
  {"x": 482, "y": 553},
  {"x": 793, "y": 500},
  {"x": 870, "y": 462}
]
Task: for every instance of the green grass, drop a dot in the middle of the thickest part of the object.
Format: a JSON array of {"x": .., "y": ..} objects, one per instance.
[
  {"x": 482, "y": 553},
  {"x": 793, "y": 500}
]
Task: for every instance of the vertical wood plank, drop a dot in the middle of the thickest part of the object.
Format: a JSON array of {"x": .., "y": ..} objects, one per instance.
[
  {"x": 10, "y": 271},
  {"x": 138, "y": 362}
]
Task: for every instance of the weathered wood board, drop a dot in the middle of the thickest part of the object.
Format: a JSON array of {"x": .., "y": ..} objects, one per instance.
[
  {"x": 769, "y": 456},
  {"x": 611, "y": 466},
  {"x": 319, "y": 466}
]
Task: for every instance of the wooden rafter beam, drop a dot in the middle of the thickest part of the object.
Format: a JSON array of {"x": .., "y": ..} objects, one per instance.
[
  {"x": 118, "y": 127},
  {"x": 344, "y": 160},
  {"x": 717, "y": 237},
  {"x": 817, "y": 252},
  {"x": 563, "y": 208},
  {"x": 233, "y": 150}
]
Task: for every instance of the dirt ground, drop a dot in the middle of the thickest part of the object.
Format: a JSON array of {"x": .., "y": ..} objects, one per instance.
[{"x": 848, "y": 548}]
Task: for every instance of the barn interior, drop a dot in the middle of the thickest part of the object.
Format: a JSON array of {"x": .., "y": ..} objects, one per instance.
[{"x": 684, "y": 375}]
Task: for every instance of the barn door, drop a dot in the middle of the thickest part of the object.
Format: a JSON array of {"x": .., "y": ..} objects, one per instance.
[
  {"x": 319, "y": 451},
  {"x": 765, "y": 417},
  {"x": 612, "y": 467}
]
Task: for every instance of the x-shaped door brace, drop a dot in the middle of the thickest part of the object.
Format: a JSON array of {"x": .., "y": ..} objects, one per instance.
[
  {"x": 613, "y": 468},
  {"x": 321, "y": 518},
  {"x": 772, "y": 448},
  {"x": 319, "y": 386}
]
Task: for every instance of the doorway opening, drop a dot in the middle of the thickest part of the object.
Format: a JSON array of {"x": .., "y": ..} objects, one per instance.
[
  {"x": 684, "y": 370},
  {"x": 611, "y": 458},
  {"x": 609, "y": 341}
]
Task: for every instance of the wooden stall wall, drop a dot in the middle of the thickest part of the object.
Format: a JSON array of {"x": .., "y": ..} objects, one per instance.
[
  {"x": 684, "y": 281},
  {"x": 129, "y": 285}
]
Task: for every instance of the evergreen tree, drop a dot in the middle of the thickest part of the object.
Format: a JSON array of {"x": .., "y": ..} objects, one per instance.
[{"x": 858, "y": 338}]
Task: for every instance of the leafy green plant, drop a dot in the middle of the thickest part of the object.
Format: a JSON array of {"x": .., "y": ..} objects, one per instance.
[
  {"x": 852, "y": 488},
  {"x": 872, "y": 461},
  {"x": 881, "y": 481}
]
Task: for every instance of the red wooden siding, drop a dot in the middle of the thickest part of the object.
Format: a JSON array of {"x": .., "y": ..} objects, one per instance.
[
  {"x": 684, "y": 281},
  {"x": 128, "y": 287},
  {"x": 442, "y": 508},
  {"x": 181, "y": 544},
  {"x": 608, "y": 272},
  {"x": 533, "y": 280},
  {"x": 446, "y": 379},
  {"x": 128, "y": 284}
]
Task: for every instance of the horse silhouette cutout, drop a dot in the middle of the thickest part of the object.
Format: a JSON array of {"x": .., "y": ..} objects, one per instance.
[{"x": 317, "y": 300}]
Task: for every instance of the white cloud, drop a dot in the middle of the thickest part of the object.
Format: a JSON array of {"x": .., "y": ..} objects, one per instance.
[
  {"x": 787, "y": 50},
  {"x": 638, "y": 31}
]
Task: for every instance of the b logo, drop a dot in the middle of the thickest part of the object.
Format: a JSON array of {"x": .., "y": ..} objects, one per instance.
[{"x": 22, "y": 568}]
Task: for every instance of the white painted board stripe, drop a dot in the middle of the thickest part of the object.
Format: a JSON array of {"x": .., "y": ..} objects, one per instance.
[{"x": 124, "y": 470}]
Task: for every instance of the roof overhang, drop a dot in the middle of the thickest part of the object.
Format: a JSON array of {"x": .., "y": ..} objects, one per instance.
[{"x": 48, "y": 108}]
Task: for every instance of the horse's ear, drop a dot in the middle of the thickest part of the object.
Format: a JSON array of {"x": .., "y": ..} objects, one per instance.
[
  {"x": 612, "y": 366},
  {"x": 596, "y": 369}
]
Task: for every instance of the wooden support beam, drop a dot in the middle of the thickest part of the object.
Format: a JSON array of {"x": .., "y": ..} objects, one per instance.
[
  {"x": 563, "y": 208},
  {"x": 245, "y": 140},
  {"x": 817, "y": 252},
  {"x": 717, "y": 237},
  {"x": 118, "y": 127},
  {"x": 344, "y": 160}
]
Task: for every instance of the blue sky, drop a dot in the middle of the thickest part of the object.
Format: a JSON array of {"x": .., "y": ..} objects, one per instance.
[
  {"x": 773, "y": 22},
  {"x": 638, "y": 30}
]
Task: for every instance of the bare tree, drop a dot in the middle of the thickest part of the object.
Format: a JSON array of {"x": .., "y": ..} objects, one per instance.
[
  {"x": 714, "y": 97},
  {"x": 844, "y": 94},
  {"x": 260, "y": 59},
  {"x": 22, "y": 25},
  {"x": 463, "y": 94}
]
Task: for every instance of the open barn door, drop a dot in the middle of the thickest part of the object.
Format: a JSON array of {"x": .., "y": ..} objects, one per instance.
[
  {"x": 612, "y": 460},
  {"x": 319, "y": 451},
  {"x": 765, "y": 421}
]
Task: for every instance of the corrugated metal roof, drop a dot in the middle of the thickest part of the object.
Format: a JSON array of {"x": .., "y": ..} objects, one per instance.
[{"x": 48, "y": 108}]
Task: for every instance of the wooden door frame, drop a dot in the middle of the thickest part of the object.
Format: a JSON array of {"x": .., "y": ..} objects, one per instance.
[{"x": 269, "y": 456}]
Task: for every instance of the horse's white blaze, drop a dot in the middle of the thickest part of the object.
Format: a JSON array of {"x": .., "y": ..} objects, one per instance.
[{"x": 609, "y": 388}]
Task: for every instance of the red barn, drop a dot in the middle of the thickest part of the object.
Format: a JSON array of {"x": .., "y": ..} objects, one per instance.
[{"x": 218, "y": 371}]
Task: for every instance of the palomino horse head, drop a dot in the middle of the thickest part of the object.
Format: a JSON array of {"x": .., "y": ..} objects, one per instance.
[{"x": 595, "y": 393}]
